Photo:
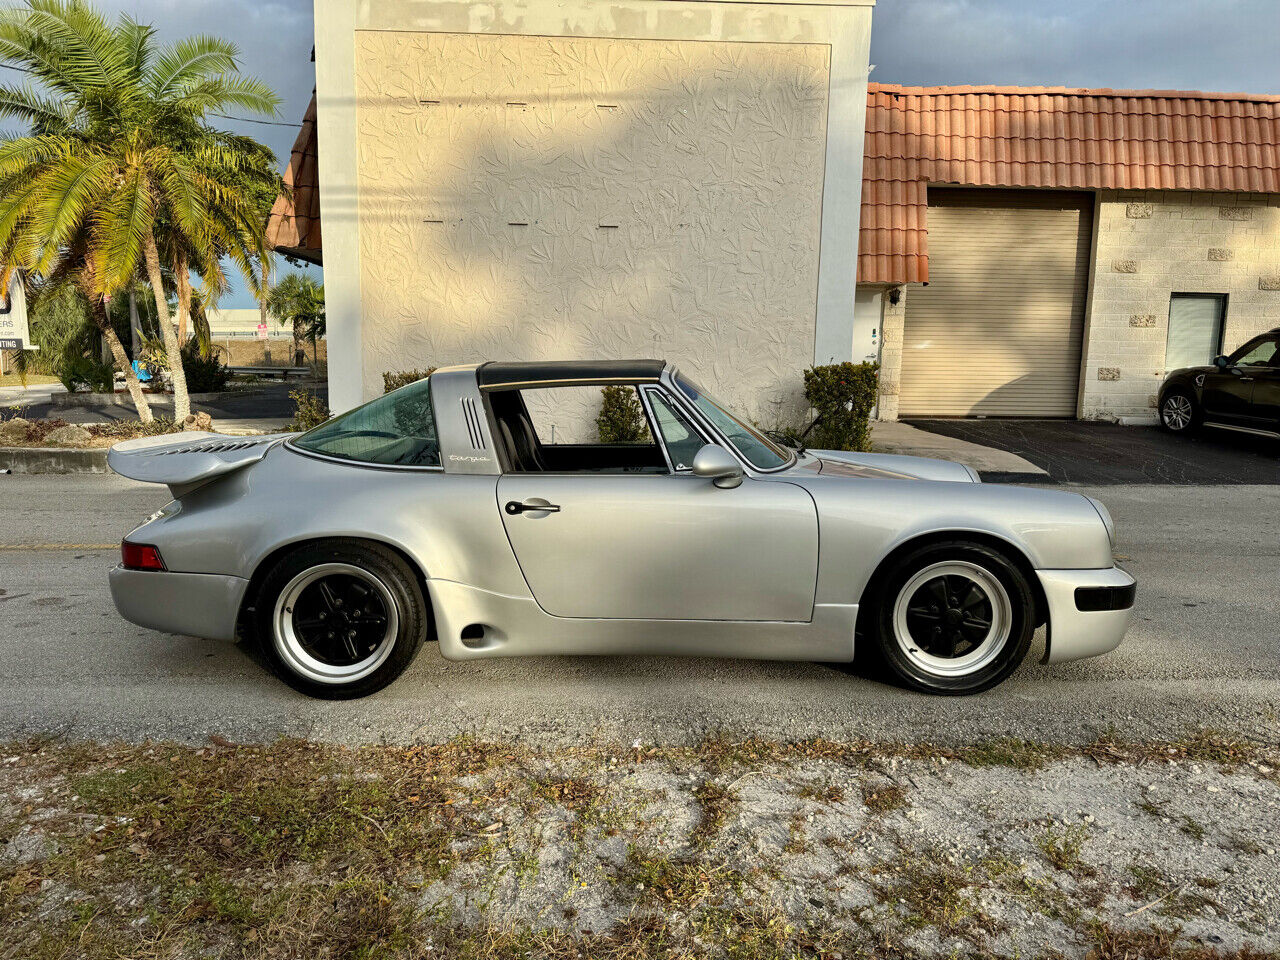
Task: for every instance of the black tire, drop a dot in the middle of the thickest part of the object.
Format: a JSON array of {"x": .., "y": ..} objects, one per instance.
[
  {"x": 1179, "y": 411},
  {"x": 364, "y": 581},
  {"x": 924, "y": 663}
]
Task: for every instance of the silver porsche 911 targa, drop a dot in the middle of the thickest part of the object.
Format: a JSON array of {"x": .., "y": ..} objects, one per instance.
[{"x": 444, "y": 510}]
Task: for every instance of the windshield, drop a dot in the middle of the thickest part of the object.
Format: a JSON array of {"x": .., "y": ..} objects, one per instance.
[
  {"x": 396, "y": 429},
  {"x": 761, "y": 452}
]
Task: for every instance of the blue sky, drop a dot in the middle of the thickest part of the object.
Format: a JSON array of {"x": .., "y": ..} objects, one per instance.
[{"x": 1220, "y": 45}]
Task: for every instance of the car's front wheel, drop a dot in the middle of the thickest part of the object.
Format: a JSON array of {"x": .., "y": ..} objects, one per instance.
[
  {"x": 340, "y": 618},
  {"x": 952, "y": 617},
  {"x": 1179, "y": 412}
]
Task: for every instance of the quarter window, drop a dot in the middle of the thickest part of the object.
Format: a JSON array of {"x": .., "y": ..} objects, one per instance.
[
  {"x": 397, "y": 429},
  {"x": 678, "y": 434}
]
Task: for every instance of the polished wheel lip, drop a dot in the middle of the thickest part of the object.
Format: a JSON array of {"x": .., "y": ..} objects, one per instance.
[
  {"x": 290, "y": 646},
  {"x": 991, "y": 645},
  {"x": 1176, "y": 411}
]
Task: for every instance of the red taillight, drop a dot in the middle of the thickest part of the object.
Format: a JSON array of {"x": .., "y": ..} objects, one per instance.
[{"x": 140, "y": 556}]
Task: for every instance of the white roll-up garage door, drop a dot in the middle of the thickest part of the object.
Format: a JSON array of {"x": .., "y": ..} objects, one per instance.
[{"x": 998, "y": 329}]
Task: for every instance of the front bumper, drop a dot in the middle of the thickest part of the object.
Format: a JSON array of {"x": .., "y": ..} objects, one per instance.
[
  {"x": 191, "y": 604},
  {"x": 1076, "y": 628}
]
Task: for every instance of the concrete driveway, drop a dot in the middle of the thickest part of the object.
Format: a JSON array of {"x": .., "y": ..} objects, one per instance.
[
  {"x": 1203, "y": 652},
  {"x": 1077, "y": 451}
]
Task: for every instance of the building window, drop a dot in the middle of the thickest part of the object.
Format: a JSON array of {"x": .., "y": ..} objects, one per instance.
[{"x": 1195, "y": 329}]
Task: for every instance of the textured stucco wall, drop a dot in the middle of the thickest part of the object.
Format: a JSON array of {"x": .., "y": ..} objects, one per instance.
[
  {"x": 541, "y": 198},
  {"x": 1152, "y": 244}
]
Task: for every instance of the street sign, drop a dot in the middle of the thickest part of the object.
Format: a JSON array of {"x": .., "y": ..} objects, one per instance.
[
  {"x": 14, "y": 334},
  {"x": 262, "y": 331}
]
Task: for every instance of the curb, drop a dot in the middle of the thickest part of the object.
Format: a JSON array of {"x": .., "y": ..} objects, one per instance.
[
  {"x": 89, "y": 401},
  {"x": 54, "y": 460}
]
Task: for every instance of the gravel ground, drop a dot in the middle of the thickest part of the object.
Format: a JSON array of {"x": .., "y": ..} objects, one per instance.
[{"x": 751, "y": 850}]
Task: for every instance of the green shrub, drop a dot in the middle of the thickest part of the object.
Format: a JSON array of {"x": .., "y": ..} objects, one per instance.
[
  {"x": 308, "y": 411},
  {"x": 842, "y": 394},
  {"x": 75, "y": 371},
  {"x": 204, "y": 374},
  {"x": 621, "y": 418},
  {"x": 402, "y": 378}
]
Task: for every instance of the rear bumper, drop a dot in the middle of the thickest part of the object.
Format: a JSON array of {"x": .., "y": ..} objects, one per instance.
[
  {"x": 191, "y": 604},
  {"x": 1089, "y": 611}
]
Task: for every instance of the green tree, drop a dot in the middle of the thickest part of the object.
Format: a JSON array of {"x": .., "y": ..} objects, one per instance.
[
  {"x": 122, "y": 174},
  {"x": 298, "y": 300}
]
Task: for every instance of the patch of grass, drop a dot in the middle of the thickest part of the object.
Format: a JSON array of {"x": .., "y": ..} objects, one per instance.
[
  {"x": 797, "y": 835},
  {"x": 1148, "y": 882},
  {"x": 715, "y": 802},
  {"x": 1191, "y": 827},
  {"x": 679, "y": 884},
  {"x": 1062, "y": 847},
  {"x": 828, "y": 793},
  {"x": 885, "y": 798},
  {"x": 1010, "y": 752},
  {"x": 931, "y": 891}
]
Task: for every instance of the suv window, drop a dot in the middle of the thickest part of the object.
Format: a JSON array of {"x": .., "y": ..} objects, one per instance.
[
  {"x": 1260, "y": 353},
  {"x": 397, "y": 429}
]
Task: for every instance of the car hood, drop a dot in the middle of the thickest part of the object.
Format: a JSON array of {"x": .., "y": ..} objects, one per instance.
[
  {"x": 883, "y": 466},
  {"x": 1191, "y": 371}
]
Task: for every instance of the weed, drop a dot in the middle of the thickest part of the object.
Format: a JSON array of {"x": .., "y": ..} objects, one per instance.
[
  {"x": 884, "y": 799},
  {"x": 1062, "y": 847}
]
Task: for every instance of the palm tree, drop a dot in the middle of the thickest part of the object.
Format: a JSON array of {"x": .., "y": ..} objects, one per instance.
[
  {"x": 121, "y": 162},
  {"x": 298, "y": 300}
]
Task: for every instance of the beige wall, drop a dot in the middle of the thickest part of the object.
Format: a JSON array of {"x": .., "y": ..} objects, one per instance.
[
  {"x": 1152, "y": 244},
  {"x": 560, "y": 198}
]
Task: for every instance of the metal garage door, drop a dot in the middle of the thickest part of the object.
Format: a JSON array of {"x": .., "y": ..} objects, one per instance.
[{"x": 997, "y": 331}]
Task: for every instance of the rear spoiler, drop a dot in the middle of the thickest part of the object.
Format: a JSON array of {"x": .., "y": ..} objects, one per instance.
[{"x": 186, "y": 461}]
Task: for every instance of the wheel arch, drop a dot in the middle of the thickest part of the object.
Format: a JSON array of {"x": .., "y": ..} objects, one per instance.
[
  {"x": 269, "y": 560},
  {"x": 1005, "y": 547}
]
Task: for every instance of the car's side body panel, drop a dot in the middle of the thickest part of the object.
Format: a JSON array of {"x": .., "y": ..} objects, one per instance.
[{"x": 665, "y": 547}]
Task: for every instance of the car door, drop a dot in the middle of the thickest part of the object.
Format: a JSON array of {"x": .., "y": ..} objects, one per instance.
[
  {"x": 1228, "y": 392},
  {"x": 1265, "y": 402},
  {"x": 663, "y": 547}
]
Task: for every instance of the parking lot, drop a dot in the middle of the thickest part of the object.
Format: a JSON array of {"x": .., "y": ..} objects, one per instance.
[
  {"x": 1203, "y": 652},
  {"x": 1080, "y": 451}
]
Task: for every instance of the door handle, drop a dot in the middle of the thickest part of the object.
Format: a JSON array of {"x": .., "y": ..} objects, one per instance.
[{"x": 515, "y": 507}]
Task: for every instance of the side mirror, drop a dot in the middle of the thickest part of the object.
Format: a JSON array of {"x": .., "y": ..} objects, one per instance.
[
  {"x": 718, "y": 465},
  {"x": 1220, "y": 361}
]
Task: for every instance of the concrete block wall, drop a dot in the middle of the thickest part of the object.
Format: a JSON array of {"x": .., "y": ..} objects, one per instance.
[{"x": 1152, "y": 244}]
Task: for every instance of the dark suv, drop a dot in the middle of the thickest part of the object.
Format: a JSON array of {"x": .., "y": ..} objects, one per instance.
[{"x": 1240, "y": 391}]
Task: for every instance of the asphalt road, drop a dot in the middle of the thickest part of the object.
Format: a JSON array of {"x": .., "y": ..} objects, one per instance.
[{"x": 1204, "y": 651}]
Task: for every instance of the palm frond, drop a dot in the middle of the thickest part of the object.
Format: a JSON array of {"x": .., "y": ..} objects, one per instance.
[
  {"x": 25, "y": 103},
  {"x": 136, "y": 42},
  {"x": 190, "y": 60},
  {"x": 120, "y": 227},
  {"x": 228, "y": 92},
  {"x": 66, "y": 194}
]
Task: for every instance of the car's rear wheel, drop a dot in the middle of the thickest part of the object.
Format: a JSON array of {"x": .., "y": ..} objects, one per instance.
[
  {"x": 340, "y": 619},
  {"x": 1179, "y": 412},
  {"x": 953, "y": 617}
]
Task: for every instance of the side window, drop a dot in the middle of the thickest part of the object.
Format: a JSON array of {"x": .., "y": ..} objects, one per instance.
[
  {"x": 1260, "y": 354},
  {"x": 397, "y": 429},
  {"x": 678, "y": 434},
  {"x": 588, "y": 414}
]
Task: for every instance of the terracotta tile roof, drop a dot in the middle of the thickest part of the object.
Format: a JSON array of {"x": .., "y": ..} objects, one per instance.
[
  {"x": 1047, "y": 137},
  {"x": 294, "y": 224}
]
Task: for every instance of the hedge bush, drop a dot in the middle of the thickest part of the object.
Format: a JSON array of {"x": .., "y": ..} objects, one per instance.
[
  {"x": 621, "y": 418},
  {"x": 402, "y": 378},
  {"x": 842, "y": 394},
  {"x": 204, "y": 374},
  {"x": 309, "y": 411}
]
